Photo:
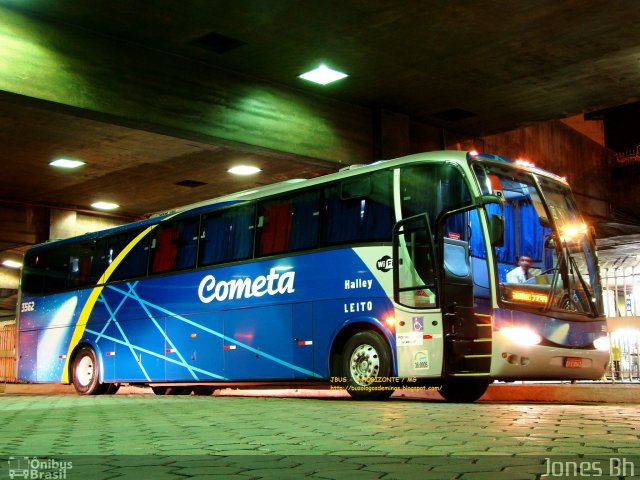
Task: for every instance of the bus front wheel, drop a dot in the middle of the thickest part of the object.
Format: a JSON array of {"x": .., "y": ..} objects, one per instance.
[
  {"x": 86, "y": 373},
  {"x": 366, "y": 360}
]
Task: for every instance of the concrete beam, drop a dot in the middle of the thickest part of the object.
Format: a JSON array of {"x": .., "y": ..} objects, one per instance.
[{"x": 162, "y": 92}]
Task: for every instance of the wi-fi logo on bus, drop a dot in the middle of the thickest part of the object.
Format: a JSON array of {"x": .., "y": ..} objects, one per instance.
[{"x": 385, "y": 263}]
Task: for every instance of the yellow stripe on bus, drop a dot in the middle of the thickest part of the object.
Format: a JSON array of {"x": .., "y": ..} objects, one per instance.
[{"x": 78, "y": 331}]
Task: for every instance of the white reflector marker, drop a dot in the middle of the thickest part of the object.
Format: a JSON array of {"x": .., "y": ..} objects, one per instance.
[
  {"x": 303, "y": 343},
  {"x": 230, "y": 347}
]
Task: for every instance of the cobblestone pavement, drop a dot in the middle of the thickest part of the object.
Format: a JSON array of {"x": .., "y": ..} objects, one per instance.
[{"x": 144, "y": 436}]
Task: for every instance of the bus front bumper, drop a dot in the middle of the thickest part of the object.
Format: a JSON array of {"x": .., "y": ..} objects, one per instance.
[{"x": 511, "y": 361}]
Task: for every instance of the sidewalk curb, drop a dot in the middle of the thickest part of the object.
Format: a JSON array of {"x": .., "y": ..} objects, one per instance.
[{"x": 534, "y": 392}]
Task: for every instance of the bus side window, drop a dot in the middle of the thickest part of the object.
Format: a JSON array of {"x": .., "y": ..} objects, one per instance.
[
  {"x": 275, "y": 226},
  {"x": 81, "y": 264},
  {"x": 134, "y": 264},
  {"x": 33, "y": 274},
  {"x": 164, "y": 248},
  {"x": 227, "y": 235},
  {"x": 359, "y": 210},
  {"x": 288, "y": 224},
  {"x": 431, "y": 189},
  {"x": 187, "y": 243},
  {"x": 174, "y": 246},
  {"x": 99, "y": 259},
  {"x": 56, "y": 265},
  {"x": 306, "y": 221}
]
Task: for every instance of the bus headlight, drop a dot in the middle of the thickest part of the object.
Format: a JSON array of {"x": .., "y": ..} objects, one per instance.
[
  {"x": 521, "y": 335},
  {"x": 602, "y": 344}
]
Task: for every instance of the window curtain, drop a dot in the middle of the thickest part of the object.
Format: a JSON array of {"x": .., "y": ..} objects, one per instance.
[
  {"x": 305, "y": 221},
  {"x": 276, "y": 231},
  {"x": 214, "y": 239},
  {"x": 367, "y": 218},
  {"x": 342, "y": 217},
  {"x": 164, "y": 255},
  {"x": 186, "y": 244},
  {"x": 507, "y": 253},
  {"x": 135, "y": 263},
  {"x": 227, "y": 235},
  {"x": 241, "y": 234},
  {"x": 377, "y": 216},
  {"x": 531, "y": 232}
]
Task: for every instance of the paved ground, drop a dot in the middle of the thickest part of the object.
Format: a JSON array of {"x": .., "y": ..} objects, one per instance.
[{"x": 143, "y": 436}]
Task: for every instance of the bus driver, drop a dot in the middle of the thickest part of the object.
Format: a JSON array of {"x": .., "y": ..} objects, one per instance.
[{"x": 520, "y": 274}]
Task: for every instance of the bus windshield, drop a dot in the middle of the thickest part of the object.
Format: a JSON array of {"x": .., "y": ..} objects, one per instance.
[{"x": 541, "y": 222}]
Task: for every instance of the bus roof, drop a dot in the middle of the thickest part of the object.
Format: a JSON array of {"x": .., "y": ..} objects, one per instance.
[
  {"x": 456, "y": 156},
  {"x": 349, "y": 171}
]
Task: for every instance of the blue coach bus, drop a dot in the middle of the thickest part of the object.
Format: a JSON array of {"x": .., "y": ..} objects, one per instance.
[{"x": 385, "y": 276}]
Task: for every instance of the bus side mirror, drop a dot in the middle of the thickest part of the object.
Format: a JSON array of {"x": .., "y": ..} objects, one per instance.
[
  {"x": 490, "y": 199},
  {"x": 549, "y": 242},
  {"x": 496, "y": 230}
]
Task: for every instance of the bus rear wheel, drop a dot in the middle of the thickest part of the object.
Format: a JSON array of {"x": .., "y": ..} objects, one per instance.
[
  {"x": 366, "y": 359},
  {"x": 86, "y": 373},
  {"x": 461, "y": 391}
]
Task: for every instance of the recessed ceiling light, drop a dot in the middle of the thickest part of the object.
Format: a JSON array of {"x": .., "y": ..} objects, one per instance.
[
  {"x": 11, "y": 264},
  {"x": 323, "y": 75},
  {"x": 105, "y": 205},
  {"x": 244, "y": 170},
  {"x": 66, "y": 163}
]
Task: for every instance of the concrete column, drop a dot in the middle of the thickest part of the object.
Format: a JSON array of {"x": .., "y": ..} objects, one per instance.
[
  {"x": 391, "y": 135},
  {"x": 9, "y": 279},
  {"x": 62, "y": 224}
]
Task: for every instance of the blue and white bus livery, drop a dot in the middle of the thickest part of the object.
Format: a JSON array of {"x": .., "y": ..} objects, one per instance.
[{"x": 396, "y": 270}]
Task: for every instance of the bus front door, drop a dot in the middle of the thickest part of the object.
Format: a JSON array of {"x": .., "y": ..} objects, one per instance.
[
  {"x": 467, "y": 328},
  {"x": 419, "y": 334}
]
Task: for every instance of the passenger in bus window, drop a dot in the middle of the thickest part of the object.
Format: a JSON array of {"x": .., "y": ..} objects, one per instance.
[{"x": 520, "y": 274}]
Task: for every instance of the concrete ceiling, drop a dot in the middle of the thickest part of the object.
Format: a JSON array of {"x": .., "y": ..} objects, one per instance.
[
  {"x": 470, "y": 68},
  {"x": 505, "y": 63}
]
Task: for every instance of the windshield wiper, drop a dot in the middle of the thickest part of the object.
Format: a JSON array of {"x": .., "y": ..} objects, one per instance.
[
  {"x": 554, "y": 281},
  {"x": 566, "y": 300},
  {"x": 584, "y": 284}
]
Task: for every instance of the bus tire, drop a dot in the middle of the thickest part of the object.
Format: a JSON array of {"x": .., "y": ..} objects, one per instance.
[
  {"x": 461, "y": 391},
  {"x": 366, "y": 356},
  {"x": 112, "y": 388},
  {"x": 86, "y": 373}
]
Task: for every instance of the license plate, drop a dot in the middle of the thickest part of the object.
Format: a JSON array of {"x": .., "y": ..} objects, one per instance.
[{"x": 573, "y": 362}]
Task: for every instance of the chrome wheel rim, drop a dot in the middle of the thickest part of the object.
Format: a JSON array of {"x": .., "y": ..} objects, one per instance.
[
  {"x": 84, "y": 371},
  {"x": 364, "y": 364}
]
